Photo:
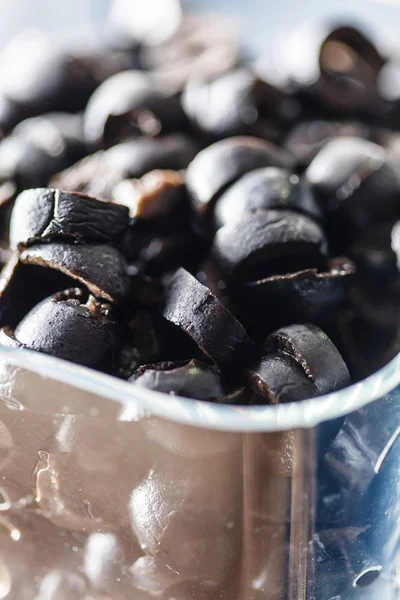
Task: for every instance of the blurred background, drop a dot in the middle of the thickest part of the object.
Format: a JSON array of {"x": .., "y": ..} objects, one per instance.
[{"x": 258, "y": 21}]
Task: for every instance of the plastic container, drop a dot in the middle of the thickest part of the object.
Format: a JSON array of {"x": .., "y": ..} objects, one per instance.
[{"x": 112, "y": 492}]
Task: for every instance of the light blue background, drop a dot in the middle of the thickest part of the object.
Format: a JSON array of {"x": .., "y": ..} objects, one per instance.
[{"x": 259, "y": 21}]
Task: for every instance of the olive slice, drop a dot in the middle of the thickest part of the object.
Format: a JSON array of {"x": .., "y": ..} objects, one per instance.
[
  {"x": 128, "y": 104},
  {"x": 100, "y": 268},
  {"x": 67, "y": 327},
  {"x": 196, "y": 311},
  {"x": 315, "y": 353},
  {"x": 269, "y": 188},
  {"x": 353, "y": 177},
  {"x": 307, "y": 295},
  {"x": 99, "y": 173},
  {"x": 46, "y": 214},
  {"x": 277, "y": 378},
  {"x": 191, "y": 379},
  {"x": 268, "y": 242},
  {"x": 238, "y": 103},
  {"x": 224, "y": 162}
]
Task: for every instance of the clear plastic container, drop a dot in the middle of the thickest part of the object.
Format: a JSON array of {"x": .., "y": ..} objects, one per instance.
[{"x": 108, "y": 491}]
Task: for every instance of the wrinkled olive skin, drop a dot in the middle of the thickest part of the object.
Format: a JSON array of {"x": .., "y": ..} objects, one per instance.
[{"x": 45, "y": 214}]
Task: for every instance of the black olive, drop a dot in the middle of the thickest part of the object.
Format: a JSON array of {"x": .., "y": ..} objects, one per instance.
[
  {"x": 354, "y": 178},
  {"x": 307, "y": 138},
  {"x": 238, "y": 103},
  {"x": 98, "y": 173},
  {"x": 221, "y": 164},
  {"x": 265, "y": 188},
  {"x": 60, "y": 134},
  {"x": 268, "y": 242},
  {"x": 46, "y": 214},
  {"x": 66, "y": 326},
  {"x": 305, "y": 296},
  {"x": 100, "y": 268},
  {"x": 191, "y": 307},
  {"x": 192, "y": 379},
  {"x": 40, "y": 76},
  {"x": 312, "y": 349},
  {"x": 277, "y": 378},
  {"x": 126, "y": 105}
]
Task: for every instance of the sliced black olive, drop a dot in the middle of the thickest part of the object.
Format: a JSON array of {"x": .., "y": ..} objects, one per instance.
[
  {"x": 268, "y": 242},
  {"x": 307, "y": 138},
  {"x": 98, "y": 173},
  {"x": 128, "y": 104},
  {"x": 277, "y": 378},
  {"x": 60, "y": 134},
  {"x": 66, "y": 326},
  {"x": 312, "y": 349},
  {"x": 192, "y": 308},
  {"x": 221, "y": 164},
  {"x": 305, "y": 296},
  {"x": 238, "y": 103},
  {"x": 40, "y": 75},
  {"x": 44, "y": 214},
  {"x": 192, "y": 379},
  {"x": 100, "y": 268},
  {"x": 26, "y": 164},
  {"x": 336, "y": 68},
  {"x": 354, "y": 178},
  {"x": 269, "y": 188}
]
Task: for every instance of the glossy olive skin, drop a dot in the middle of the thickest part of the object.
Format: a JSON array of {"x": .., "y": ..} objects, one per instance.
[
  {"x": 222, "y": 163},
  {"x": 126, "y": 105},
  {"x": 58, "y": 132},
  {"x": 71, "y": 330},
  {"x": 268, "y": 242},
  {"x": 238, "y": 103},
  {"x": 99, "y": 173},
  {"x": 269, "y": 188},
  {"x": 39, "y": 75},
  {"x": 355, "y": 180}
]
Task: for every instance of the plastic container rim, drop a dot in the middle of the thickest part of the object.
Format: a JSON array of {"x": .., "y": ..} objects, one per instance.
[{"x": 140, "y": 402}]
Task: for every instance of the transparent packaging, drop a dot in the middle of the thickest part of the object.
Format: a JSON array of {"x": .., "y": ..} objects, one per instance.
[{"x": 109, "y": 491}]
